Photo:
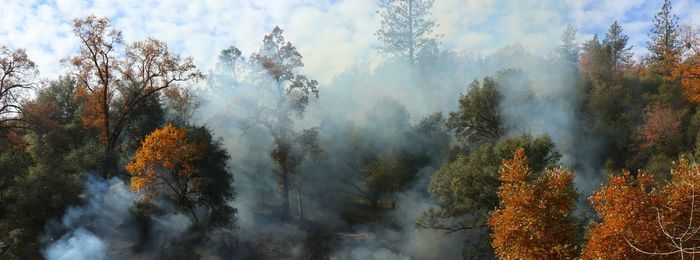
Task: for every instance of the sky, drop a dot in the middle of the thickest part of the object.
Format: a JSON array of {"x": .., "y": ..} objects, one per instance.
[{"x": 332, "y": 35}]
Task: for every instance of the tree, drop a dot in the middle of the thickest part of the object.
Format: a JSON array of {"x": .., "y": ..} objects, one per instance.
[
  {"x": 664, "y": 43},
  {"x": 115, "y": 78},
  {"x": 478, "y": 118},
  {"x": 535, "y": 217},
  {"x": 568, "y": 48},
  {"x": 465, "y": 189},
  {"x": 278, "y": 62},
  {"x": 378, "y": 162},
  {"x": 388, "y": 174},
  {"x": 406, "y": 28},
  {"x": 17, "y": 72},
  {"x": 625, "y": 208},
  {"x": 273, "y": 93},
  {"x": 189, "y": 170},
  {"x": 619, "y": 55},
  {"x": 639, "y": 220},
  {"x": 43, "y": 176},
  {"x": 660, "y": 130},
  {"x": 689, "y": 70}
]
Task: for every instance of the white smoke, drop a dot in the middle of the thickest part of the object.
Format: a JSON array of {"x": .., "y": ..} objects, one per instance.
[{"x": 78, "y": 244}]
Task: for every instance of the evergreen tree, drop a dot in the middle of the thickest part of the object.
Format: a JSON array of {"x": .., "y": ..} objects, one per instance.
[
  {"x": 568, "y": 49},
  {"x": 664, "y": 43},
  {"x": 406, "y": 28}
]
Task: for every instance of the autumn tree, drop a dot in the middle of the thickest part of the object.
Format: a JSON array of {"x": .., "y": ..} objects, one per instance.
[
  {"x": 465, "y": 189},
  {"x": 186, "y": 167},
  {"x": 478, "y": 118},
  {"x": 535, "y": 217},
  {"x": 664, "y": 43},
  {"x": 115, "y": 78},
  {"x": 639, "y": 220},
  {"x": 660, "y": 130},
  {"x": 17, "y": 73},
  {"x": 625, "y": 207},
  {"x": 406, "y": 28},
  {"x": 689, "y": 70}
]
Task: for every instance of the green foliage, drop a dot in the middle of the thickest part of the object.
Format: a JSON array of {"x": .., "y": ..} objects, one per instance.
[
  {"x": 218, "y": 180},
  {"x": 478, "y": 119},
  {"x": 390, "y": 173},
  {"x": 664, "y": 43},
  {"x": 465, "y": 189}
]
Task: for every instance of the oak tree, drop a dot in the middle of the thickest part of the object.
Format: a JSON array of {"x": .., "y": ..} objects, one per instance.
[
  {"x": 115, "y": 77},
  {"x": 187, "y": 169},
  {"x": 17, "y": 73}
]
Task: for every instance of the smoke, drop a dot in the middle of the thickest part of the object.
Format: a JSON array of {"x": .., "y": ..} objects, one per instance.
[
  {"x": 87, "y": 226},
  {"x": 539, "y": 97},
  {"x": 78, "y": 244},
  {"x": 105, "y": 226}
]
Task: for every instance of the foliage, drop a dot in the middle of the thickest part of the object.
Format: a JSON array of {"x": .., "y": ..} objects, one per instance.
[
  {"x": 478, "y": 118},
  {"x": 465, "y": 189},
  {"x": 113, "y": 83},
  {"x": 16, "y": 74},
  {"x": 185, "y": 169},
  {"x": 639, "y": 221},
  {"x": 660, "y": 130},
  {"x": 535, "y": 217},
  {"x": 664, "y": 43}
]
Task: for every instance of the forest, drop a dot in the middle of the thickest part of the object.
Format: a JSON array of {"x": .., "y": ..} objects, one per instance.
[{"x": 137, "y": 151}]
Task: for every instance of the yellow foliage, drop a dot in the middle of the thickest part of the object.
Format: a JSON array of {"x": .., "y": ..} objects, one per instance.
[{"x": 165, "y": 156}]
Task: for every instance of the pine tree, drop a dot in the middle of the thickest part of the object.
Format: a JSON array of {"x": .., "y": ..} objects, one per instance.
[
  {"x": 406, "y": 28},
  {"x": 664, "y": 43},
  {"x": 615, "y": 44},
  {"x": 568, "y": 49}
]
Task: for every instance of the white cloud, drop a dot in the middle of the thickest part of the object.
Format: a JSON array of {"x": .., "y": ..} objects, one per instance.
[{"x": 331, "y": 36}]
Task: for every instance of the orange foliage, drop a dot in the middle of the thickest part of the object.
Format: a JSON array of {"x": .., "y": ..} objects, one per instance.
[
  {"x": 638, "y": 221},
  {"x": 116, "y": 81},
  {"x": 626, "y": 208},
  {"x": 689, "y": 73},
  {"x": 689, "y": 70},
  {"x": 661, "y": 129},
  {"x": 166, "y": 158},
  {"x": 534, "y": 219},
  {"x": 93, "y": 115}
]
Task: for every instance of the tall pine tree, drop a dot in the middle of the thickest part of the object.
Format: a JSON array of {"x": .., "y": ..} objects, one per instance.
[{"x": 664, "y": 43}]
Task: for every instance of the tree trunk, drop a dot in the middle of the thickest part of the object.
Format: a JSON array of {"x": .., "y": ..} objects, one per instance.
[
  {"x": 285, "y": 195},
  {"x": 301, "y": 212}
]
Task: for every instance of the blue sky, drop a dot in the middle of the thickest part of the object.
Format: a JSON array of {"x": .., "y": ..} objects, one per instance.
[{"x": 332, "y": 35}]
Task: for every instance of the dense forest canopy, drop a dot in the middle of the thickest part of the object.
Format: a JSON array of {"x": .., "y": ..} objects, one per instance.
[{"x": 524, "y": 138}]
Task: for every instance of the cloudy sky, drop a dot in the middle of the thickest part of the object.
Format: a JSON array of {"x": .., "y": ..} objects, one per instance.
[{"x": 331, "y": 34}]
